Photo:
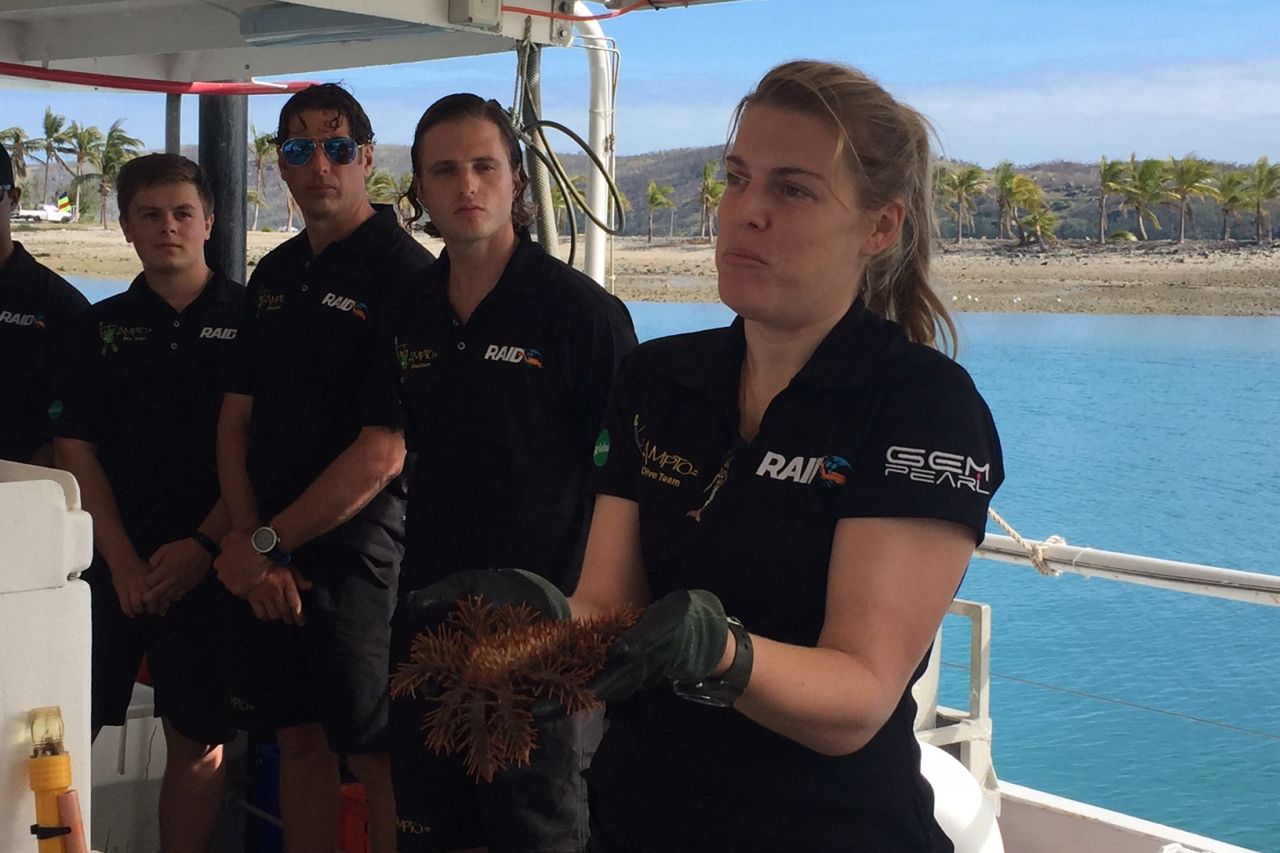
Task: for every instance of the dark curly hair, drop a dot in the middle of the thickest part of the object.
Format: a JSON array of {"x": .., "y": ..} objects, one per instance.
[{"x": 327, "y": 97}]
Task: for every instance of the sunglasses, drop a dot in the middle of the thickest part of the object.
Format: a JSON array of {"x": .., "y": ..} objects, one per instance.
[
  {"x": 4, "y": 188},
  {"x": 340, "y": 150}
]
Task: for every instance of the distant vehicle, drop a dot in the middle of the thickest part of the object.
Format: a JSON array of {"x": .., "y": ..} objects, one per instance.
[{"x": 43, "y": 213}]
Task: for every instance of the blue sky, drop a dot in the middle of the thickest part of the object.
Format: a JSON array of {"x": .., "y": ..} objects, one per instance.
[{"x": 999, "y": 78}]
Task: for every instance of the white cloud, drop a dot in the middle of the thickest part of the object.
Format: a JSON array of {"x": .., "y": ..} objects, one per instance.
[{"x": 1223, "y": 111}]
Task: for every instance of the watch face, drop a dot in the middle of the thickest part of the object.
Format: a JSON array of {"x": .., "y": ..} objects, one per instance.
[{"x": 263, "y": 540}]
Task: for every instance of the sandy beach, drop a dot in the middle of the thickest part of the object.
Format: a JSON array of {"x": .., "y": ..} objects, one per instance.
[{"x": 1151, "y": 278}]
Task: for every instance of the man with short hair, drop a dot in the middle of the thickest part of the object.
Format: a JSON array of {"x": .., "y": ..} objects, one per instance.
[
  {"x": 135, "y": 420},
  {"x": 35, "y": 307},
  {"x": 503, "y": 357},
  {"x": 312, "y": 478}
]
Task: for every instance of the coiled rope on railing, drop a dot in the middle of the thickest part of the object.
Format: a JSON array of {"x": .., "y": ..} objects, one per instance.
[{"x": 1035, "y": 550}]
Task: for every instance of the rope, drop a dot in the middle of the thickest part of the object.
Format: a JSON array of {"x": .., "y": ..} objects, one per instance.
[{"x": 1035, "y": 550}]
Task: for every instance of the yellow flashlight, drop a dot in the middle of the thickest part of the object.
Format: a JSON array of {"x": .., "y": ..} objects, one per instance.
[{"x": 49, "y": 774}]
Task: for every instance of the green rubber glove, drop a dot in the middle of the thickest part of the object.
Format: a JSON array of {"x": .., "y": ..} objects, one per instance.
[
  {"x": 680, "y": 637},
  {"x": 427, "y": 607}
]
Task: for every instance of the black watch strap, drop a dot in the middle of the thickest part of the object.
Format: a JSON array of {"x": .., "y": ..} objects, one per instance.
[
  {"x": 724, "y": 690},
  {"x": 206, "y": 543}
]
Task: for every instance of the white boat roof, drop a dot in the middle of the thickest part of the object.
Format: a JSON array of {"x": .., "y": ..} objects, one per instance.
[{"x": 237, "y": 40}]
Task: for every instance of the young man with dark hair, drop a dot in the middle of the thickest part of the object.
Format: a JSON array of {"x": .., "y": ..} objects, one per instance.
[
  {"x": 36, "y": 305},
  {"x": 313, "y": 480},
  {"x": 503, "y": 357},
  {"x": 135, "y": 420}
]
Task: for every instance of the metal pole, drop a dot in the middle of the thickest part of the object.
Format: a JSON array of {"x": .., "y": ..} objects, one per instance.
[
  {"x": 601, "y": 118},
  {"x": 224, "y": 155},
  {"x": 173, "y": 124}
]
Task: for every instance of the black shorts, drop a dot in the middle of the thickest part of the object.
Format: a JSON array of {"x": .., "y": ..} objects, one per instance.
[
  {"x": 331, "y": 670},
  {"x": 542, "y": 807},
  {"x": 186, "y": 652}
]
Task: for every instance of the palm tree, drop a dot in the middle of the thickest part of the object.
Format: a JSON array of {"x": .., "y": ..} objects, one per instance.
[
  {"x": 1002, "y": 182},
  {"x": 1189, "y": 178},
  {"x": 558, "y": 204},
  {"x": 261, "y": 147},
  {"x": 961, "y": 186},
  {"x": 117, "y": 149},
  {"x": 1233, "y": 196},
  {"x": 1026, "y": 195},
  {"x": 1039, "y": 223},
  {"x": 1143, "y": 190},
  {"x": 85, "y": 142},
  {"x": 15, "y": 139},
  {"x": 55, "y": 142},
  {"x": 710, "y": 191},
  {"x": 1111, "y": 180},
  {"x": 289, "y": 206},
  {"x": 381, "y": 187},
  {"x": 1263, "y": 186},
  {"x": 659, "y": 195},
  {"x": 254, "y": 199}
]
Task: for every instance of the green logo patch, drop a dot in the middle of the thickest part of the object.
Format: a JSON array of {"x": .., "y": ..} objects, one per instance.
[
  {"x": 55, "y": 409},
  {"x": 601, "y": 454}
]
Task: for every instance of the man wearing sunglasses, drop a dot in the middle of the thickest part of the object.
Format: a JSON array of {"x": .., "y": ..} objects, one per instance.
[
  {"x": 35, "y": 305},
  {"x": 312, "y": 477}
]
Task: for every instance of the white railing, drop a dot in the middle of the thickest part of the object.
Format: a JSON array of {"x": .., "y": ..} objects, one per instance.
[{"x": 1252, "y": 587}]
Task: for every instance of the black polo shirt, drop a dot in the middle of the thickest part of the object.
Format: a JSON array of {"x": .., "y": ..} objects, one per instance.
[
  {"x": 144, "y": 384},
  {"x": 306, "y": 360},
  {"x": 872, "y": 426},
  {"x": 502, "y": 413},
  {"x": 35, "y": 307}
]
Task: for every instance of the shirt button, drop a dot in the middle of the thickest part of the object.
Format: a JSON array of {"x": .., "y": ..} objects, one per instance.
[
  {"x": 177, "y": 323},
  {"x": 173, "y": 345},
  {"x": 305, "y": 288},
  {"x": 462, "y": 345}
]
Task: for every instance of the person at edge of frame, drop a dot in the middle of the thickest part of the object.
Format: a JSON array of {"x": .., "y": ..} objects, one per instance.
[
  {"x": 135, "y": 420},
  {"x": 835, "y": 474},
  {"x": 502, "y": 356},
  {"x": 316, "y": 492},
  {"x": 36, "y": 307}
]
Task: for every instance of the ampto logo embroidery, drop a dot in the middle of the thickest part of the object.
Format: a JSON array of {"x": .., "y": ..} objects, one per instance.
[
  {"x": 412, "y": 359},
  {"x": 114, "y": 335},
  {"x": 219, "y": 333},
  {"x": 828, "y": 471},
  {"x": 346, "y": 303},
  {"x": 13, "y": 318},
  {"x": 667, "y": 468},
  {"x": 268, "y": 302},
  {"x": 937, "y": 468},
  {"x": 513, "y": 355}
]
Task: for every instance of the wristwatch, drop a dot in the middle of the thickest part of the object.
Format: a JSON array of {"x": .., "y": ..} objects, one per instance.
[
  {"x": 266, "y": 542},
  {"x": 724, "y": 690}
]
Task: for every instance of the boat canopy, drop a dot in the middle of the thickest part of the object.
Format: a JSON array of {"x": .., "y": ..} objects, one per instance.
[{"x": 237, "y": 40}]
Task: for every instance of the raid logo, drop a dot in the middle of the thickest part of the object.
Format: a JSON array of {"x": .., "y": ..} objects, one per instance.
[
  {"x": 13, "y": 318},
  {"x": 828, "y": 471},
  {"x": 937, "y": 468},
  {"x": 513, "y": 355},
  {"x": 219, "y": 333},
  {"x": 346, "y": 303}
]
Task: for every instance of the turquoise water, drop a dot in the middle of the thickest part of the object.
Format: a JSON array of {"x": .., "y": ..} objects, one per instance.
[{"x": 1155, "y": 435}]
